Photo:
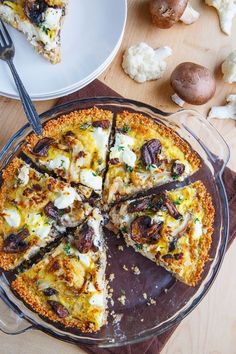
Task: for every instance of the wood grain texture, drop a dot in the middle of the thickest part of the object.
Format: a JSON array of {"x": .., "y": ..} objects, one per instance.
[{"x": 211, "y": 327}]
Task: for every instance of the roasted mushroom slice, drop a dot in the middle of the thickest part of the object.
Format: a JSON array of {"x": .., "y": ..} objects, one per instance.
[
  {"x": 15, "y": 243},
  {"x": 150, "y": 151},
  {"x": 83, "y": 238},
  {"x": 177, "y": 169},
  {"x": 42, "y": 146},
  {"x": 139, "y": 205},
  {"x": 142, "y": 229},
  {"x": 58, "y": 308},
  {"x": 34, "y": 10},
  {"x": 105, "y": 124}
]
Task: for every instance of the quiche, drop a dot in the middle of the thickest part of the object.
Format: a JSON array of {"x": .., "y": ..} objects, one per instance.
[
  {"x": 173, "y": 228},
  {"x": 40, "y": 21},
  {"x": 75, "y": 148},
  {"x": 68, "y": 284},
  {"x": 145, "y": 154},
  {"x": 34, "y": 210}
]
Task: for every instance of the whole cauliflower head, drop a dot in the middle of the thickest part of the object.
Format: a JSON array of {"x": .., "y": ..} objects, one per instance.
[
  {"x": 229, "y": 68},
  {"x": 142, "y": 63}
]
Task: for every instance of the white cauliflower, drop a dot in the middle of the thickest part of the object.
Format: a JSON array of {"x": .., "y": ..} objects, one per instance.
[
  {"x": 226, "y": 11},
  {"x": 225, "y": 112},
  {"x": 142, "y": 63},
  {"x": 190, "y": 15},
  {"x": 229, "y": 68}
]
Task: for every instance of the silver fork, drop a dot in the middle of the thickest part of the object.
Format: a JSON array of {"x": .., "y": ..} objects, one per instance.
[{"x": 7, "y": 52}]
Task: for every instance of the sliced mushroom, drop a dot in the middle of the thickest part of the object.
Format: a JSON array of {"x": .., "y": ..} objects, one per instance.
[
  {"x": 51, "y": 211},
  {"x": 15, "y": 243},
  {"x": 139, "y": 205},
  {"x": 83, "y": 240},
  {"x": 150, "y": 151},
  {"x": 105, "y": 124},
  {"x": 173, "y": 211},
  {"x": 58, "y": 308},
  {"x": 177, "y": 169},
  {"x": 34, "y": 10},
  {"x": 142, "y": 229},
  {"x": 192, "y": 83},
  {"x": 50, "y": 291},
  {"x": 42, "y": 146},
  {"x": 175, "y": 256}
]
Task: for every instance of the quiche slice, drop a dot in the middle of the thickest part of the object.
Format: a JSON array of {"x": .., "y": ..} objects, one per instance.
[
  {"x": 173, "y": 229},
  {"x": 74, "y": 147},
  {"x": 34, "y": 210},
  {"x": 68, "y": 285},
  {"x": 145, "y": 154},
  {"x": 40, "y": 21}
]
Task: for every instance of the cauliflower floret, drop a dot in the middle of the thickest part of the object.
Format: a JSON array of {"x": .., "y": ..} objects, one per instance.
[
  {"x": 190, "y": 15},
  {"x": 226, "y": 11},
  {"x": 225, "y": 112},
  {"x": 142, "y": 63},
  {"x": 229, "y": 68}
]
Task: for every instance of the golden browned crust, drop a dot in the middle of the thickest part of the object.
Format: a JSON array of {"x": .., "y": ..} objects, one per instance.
[
  {"x": 22, "y": 287},
  {"x": 55, "y": 127},
  {"x": 194, "y": 277},
  {"x": 143, "y": 124}
]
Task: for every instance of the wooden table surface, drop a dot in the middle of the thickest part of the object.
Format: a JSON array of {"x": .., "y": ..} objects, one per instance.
[{"x": 211, "y": 327}]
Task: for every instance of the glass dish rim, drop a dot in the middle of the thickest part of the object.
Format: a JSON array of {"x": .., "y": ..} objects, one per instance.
[{"x": 106, "y": 100}]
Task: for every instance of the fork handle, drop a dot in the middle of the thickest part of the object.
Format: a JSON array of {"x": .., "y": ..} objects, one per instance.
[{"x": 28, "y": 106}]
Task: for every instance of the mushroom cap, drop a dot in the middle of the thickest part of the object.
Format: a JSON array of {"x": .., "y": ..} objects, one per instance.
[
  {"x": 193, "y": 83},
  {"x": 165, "y": 13}
]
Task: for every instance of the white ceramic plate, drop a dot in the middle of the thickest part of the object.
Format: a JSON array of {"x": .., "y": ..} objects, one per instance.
[{"x": 91, "y": 34}]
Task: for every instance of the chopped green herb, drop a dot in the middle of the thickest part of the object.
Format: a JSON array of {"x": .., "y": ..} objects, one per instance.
[
  {"x": 126, "y": 128},
  {"x": 196, "y": 220},
  {"x": 174, "y": 176},
  {"x": 151, "y": 166},
  {"x": 67, "y": 249},
  {"x": 124, "y": 229},
  {"x": 37, "y": 282},
  {"x": 45, "y": 29},
  {"x": 121, "y": 148},
  {"x": 178, "y": 201},
  {"x": 85, "y": 126},
  {"x": 129, "y": 168},
  {"x": 100, "y": 161},
  {"x": 138, "y": 246},
  {"x": 94, "y": 174}
]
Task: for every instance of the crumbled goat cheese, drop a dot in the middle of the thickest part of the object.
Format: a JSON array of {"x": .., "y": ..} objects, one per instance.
[{"x": 142, "y": 63}]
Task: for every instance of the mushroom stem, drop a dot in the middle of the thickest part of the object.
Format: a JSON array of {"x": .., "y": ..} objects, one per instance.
[
  {"x": 176, "y": 99},
  {"x": 190, "y": 15},
  {"x": 225, "y": 112}
]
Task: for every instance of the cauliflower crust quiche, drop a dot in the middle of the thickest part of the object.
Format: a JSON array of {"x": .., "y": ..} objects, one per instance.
[
  {"x": 59, "y": 188},
  {"x": 145, "y": 154},
  {"x": 40, "y": 21}
]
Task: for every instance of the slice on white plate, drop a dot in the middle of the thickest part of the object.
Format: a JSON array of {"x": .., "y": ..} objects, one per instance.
[{"x": 40, "y": 21}]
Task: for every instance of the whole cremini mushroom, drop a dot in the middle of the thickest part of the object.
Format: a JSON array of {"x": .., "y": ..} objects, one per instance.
[
  {"x": 165, "y": 13},
  {"x": 192, "y": 83}
]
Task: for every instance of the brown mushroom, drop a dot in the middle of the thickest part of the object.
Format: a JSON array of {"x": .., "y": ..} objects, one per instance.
[
  {"x": 165, "y": 13},
  {"x": 192, "y": 83}
]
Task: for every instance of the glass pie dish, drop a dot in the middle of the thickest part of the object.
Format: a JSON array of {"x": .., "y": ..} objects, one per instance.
[{"x": 169, "y": 300}]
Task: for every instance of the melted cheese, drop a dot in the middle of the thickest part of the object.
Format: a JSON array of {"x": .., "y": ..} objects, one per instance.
[
  {"x": 23, "y": 175},
  {"x": 122, "y": 151},
  {"x": 38, "y": 225},
  {"x": 101, "y": 140},
  {"x": 90, "y": 179},
  {"x": 59, "y": 162},
  {"x": 12, "y": 217},
  {"x": 97, "y": 300},
  {"x": 66, "y": 198}
]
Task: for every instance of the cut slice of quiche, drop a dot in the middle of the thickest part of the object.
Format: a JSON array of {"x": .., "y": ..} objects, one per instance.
[
  {"x": 173, "y": 229},
  {"x": 40, "y": 21},
  {"x": 68, "y": 285},
  {"x": 74, "y": 147},
  {"x": 145, "y": 154},
  {"x": 34, "y": 210}
]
